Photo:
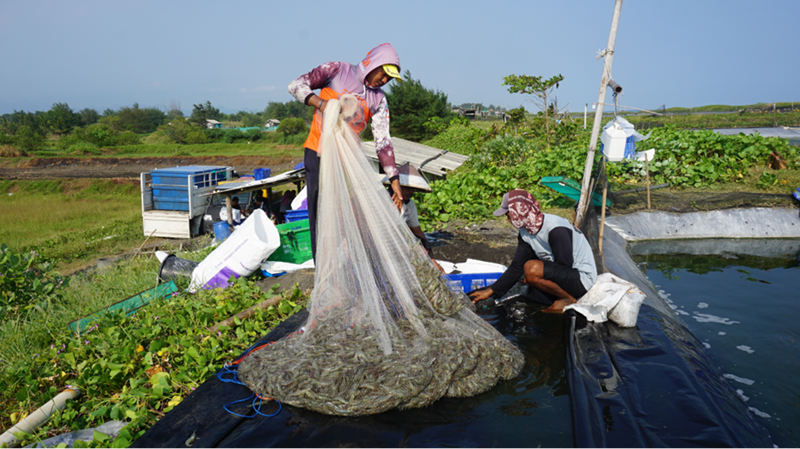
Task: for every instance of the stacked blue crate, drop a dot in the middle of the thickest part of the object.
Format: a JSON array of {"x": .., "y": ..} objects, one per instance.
[{"x": 171, "y": 186}]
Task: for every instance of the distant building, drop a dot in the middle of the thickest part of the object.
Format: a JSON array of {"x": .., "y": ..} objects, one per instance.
[
  {"x": 273, "y": 122},
  {"x": 213, "y": 124}
]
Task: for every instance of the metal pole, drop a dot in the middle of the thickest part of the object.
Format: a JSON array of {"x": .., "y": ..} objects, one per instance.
[
  {"x": 608, "y": 58},
  {"x": 585, "y": 109}
]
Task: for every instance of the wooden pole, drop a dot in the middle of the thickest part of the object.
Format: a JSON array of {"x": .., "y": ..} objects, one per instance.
[
  {"x": 608, "y": 57},
  {"x": 229, "y": 208},
  {"x": 142, "y": 245}
]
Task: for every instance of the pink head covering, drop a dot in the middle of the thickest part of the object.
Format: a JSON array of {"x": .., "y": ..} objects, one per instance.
[
  {"x": 523, "y": 210},
  {"x": 378, "y": 56}
]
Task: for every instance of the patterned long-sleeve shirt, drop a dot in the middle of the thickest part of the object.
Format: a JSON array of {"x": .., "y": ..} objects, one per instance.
[{"x": 335, "y": 79}]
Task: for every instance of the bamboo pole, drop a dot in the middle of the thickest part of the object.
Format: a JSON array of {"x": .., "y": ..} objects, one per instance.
[
  {"x": 243, "y": 315},
  {"x": 603, "y": 210},
  {"x": 647, "y": 174},
  {"x": 608, "y": 57}
]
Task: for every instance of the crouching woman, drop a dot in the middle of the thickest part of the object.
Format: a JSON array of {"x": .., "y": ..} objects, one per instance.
[{"x": 552, "y": 254}]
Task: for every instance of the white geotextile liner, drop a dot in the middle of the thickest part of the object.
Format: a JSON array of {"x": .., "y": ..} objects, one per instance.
[
  {"x": 731, "y": 223},
  {"x": 384, "y": 331}
]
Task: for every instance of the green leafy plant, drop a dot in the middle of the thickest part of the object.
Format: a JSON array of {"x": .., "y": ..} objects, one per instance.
[
  {"x": 138, "y": 367},
  {"x": 26, "y": 282}
]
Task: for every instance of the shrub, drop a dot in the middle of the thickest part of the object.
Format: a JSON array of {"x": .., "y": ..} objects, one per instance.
[
  {"x": 196, "y": 136},
  {"x": 291, "y": 126},
  {"x": 128, "y": 138},
  {"x": 82, "y": 147},
  {"x": 27, "y": 139}
]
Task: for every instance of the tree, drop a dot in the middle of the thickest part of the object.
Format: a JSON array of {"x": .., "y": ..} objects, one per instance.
[
  {"x": 411, "y": 105},
  {"x": 280, "y": 111},
  {"x": 539, "y": 89},
  {"x": 139, "y": 120},
  {"x": 202, "y": 112},
  {"x": 61, "y": 119},
  {"x": 173, "y": 110},
  {"x": 89, "y": 116}
]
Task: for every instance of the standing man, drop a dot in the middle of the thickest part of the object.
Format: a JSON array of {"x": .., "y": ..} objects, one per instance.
[
  {"x": 364, "y": 80},
  {"x": 554, "y": 255}
]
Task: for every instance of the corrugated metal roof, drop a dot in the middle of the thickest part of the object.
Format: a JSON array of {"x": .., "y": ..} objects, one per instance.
[{"x": 436, "y": 162}]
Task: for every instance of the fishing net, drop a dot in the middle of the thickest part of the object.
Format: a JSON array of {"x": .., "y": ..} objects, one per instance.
[{"x": 384, "y": 330}]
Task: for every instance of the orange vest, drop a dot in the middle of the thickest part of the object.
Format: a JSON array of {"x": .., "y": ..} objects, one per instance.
[{"x": 358, "y": 122}]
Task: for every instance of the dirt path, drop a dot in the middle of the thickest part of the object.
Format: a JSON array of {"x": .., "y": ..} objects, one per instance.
[{"x": 59, "y": 168}]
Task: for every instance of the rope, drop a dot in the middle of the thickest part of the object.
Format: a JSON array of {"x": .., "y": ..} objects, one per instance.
[{"x": 229, "y": 373}]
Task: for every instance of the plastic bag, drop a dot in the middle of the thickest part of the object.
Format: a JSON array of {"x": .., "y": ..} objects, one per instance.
[
  {"x": 110, "y": 428},
  {"x": 384, "y": 331},
  {"x": 610, "y": 298},
  {"x": 239, "y": 255}
]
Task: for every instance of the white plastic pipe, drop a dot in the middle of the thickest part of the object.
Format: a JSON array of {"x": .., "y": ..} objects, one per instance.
[{"x": 39, "y": 417}]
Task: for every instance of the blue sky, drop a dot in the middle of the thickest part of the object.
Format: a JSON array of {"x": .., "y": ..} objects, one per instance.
[{"x": 241, "y": 55}]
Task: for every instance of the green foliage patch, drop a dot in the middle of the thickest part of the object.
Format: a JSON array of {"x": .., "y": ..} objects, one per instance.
[
  {"x": 137, "y": 368},
  {"x": 703, "y": 158}
]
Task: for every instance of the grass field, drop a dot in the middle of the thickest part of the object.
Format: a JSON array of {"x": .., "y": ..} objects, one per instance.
[
  {"x": 173, "y": 150},
  {"x": 71, "y": 221}
]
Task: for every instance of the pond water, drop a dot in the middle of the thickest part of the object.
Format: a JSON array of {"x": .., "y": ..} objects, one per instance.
[{"x": 745, "y": 311}]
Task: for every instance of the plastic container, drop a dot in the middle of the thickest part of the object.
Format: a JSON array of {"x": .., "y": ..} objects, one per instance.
[
  {"x": 619, "y": 150},
  {"x": 201, "y": 176},
  {"x": 469, "y": 282},
  {"x": 295, "y": 215},
  {"x": 170, "y": 198},
  {"x": 174, "y": 267},
  {"x": 261, "y": 173},
  {"x": 171, "y": 204},
  {"x": 295, "y": 243},
  {"x": 222, "y": 230}
]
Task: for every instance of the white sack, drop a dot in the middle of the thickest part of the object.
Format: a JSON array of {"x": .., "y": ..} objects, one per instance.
[
  {"x": 610, "y": 298},
  {"x": 277, "y": 267},
  {"x": 298, "y": 200},
  {"x": 239, "y": 255}
]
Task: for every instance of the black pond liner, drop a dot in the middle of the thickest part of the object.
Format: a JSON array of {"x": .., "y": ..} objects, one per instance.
[{"x": 651, "y": 386}]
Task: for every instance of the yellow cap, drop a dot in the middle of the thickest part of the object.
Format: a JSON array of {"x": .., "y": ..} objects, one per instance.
[{"x": 392, "y": 71}]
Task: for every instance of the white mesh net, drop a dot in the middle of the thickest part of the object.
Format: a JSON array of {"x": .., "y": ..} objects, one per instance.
[{"x": 384, "y": 330}]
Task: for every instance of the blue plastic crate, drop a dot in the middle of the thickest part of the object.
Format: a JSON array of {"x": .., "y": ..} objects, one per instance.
[
  {"x": 469, "y": 282},
  {"x": 202, "y": 175},
  {"x": 296, "y": 215},
  {"x": 261, "y": 173},
  {"x": 170, "y": 193},
  {"x": 171, "y": 204}
]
